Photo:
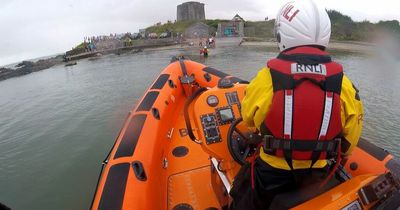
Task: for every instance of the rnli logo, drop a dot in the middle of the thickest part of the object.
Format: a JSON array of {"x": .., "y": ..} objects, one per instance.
[
  {"x": 308, "y": 69},
  {"x": 289, "y": 13}
]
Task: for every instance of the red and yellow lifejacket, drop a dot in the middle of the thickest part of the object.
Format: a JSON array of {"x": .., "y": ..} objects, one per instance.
[{"x": 303, "y": 122}]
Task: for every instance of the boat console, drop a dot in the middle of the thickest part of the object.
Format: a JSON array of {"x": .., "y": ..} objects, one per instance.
[{"x": 215, "y": 111}]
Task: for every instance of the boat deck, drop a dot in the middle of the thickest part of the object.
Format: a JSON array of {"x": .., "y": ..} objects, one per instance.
[{"x": 188, "y": 172}]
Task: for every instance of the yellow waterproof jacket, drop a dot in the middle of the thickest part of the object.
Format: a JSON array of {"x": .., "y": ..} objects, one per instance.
[{"x": 258, "y": 99}]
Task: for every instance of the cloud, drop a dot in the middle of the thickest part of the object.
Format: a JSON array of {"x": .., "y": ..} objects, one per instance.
[{"x": 42, "y": 27}]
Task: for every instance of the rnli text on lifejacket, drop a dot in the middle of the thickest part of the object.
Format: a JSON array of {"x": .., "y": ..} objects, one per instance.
[{"x": 308, "y": 69}]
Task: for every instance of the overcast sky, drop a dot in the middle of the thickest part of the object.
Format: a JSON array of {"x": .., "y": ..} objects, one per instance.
[{"x": 35, "y": 28}]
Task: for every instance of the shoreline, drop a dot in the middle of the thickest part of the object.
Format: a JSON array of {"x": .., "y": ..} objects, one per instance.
[
  {"x": 27, "y": 67},
  {"x": 345, "y": 46}
]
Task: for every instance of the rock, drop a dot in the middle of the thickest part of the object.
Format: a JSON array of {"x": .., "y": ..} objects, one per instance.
[
  {"x": 3, "y": 69},
  {"x": 26, "y": 67},
  {"x": 25, "y": 64}
]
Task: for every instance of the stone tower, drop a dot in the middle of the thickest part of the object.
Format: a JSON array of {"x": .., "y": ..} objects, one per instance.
[{"x": 189, "y": 11}]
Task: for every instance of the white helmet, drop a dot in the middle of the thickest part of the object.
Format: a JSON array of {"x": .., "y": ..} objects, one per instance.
[{"x": 302, "y": 22}]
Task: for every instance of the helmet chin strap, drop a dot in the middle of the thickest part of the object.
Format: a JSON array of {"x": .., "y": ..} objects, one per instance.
[{"x": 276, "y": 32}]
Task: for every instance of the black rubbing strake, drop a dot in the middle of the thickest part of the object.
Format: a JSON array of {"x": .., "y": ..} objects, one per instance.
[
  {"x": 394, "y": 166},
  {"x": 372, "y": 149},
  {"x": 148, "y": 101},
  {"x": 162, "y": 79},
  {"x": 221, "y": 74},
  {"x": 238, "y": 80},
  {"x": 215, "y": 72},
  {"x": 131, "y": 136},
  {"x": 114, "y": 188}
]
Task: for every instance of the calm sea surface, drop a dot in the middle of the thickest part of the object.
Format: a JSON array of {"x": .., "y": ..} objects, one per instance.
[{"x": 57, "y": 125}]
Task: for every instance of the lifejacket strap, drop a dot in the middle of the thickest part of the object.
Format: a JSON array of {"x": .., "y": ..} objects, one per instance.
[
  {"x": 315, "y": 155},
  {"x": 271, "y": 144},
  {"x": 287, "y": 154},
  {"x": 281, "y": 81}
]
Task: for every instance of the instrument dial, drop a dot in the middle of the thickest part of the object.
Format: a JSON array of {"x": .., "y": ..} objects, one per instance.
[{"x": 212, "y": 100}]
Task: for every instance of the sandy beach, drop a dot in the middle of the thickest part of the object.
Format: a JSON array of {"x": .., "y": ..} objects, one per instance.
[{"x": 348, "y": 46}]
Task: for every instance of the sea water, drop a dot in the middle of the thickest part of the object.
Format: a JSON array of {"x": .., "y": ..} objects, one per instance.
[{"x": 57, "y": 125}]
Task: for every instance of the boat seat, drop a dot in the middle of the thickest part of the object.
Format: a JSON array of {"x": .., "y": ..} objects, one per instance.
[{"x": 306, "y": 192}]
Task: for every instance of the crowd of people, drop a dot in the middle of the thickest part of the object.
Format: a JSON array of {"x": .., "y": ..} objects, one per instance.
[
  {"x": 94, "y": 43},
  {"x": 94, "y": 39},
  {"x": 210, "y": 42},
  {"x": 204, "y": 45}
]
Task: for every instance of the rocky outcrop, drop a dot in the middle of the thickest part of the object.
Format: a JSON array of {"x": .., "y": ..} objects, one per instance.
[{"x": 26, "y": 67}]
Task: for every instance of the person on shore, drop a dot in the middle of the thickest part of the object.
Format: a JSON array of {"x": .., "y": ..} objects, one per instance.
[
  {"x": 204, "y": 51},
  {"x": 211, "y": 42},
  {"x": 305, "y": 108},
  {"x": 86, "y": 47}
]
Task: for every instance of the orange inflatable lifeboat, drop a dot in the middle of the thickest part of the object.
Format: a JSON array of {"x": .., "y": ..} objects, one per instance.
[{"x": 182, "y": 145}]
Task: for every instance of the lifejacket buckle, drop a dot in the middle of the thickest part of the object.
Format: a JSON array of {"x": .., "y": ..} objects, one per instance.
[
  {"x": 333, "y": 153},
  {"x": 267, "y": 144}
]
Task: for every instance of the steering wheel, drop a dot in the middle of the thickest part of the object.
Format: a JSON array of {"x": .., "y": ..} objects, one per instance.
[{"x": 241, "y": 144}]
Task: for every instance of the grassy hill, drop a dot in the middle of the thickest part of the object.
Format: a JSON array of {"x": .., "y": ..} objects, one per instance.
[
  {"x": 343, "y": 27},
  {"x": 181, "y": 26}
]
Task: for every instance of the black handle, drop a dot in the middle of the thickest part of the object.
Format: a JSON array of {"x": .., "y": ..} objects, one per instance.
[
  {"x": 139, "y": 170},
  {"x": 186, "y": 113}
]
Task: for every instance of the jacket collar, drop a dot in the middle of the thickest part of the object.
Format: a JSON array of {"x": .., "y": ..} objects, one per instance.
[{"x": 310, "y": 55}]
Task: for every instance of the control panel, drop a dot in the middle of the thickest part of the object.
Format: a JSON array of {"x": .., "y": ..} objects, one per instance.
[
  {"x": 214, "y": 111},
  {"x": 210, "y": 128}
]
